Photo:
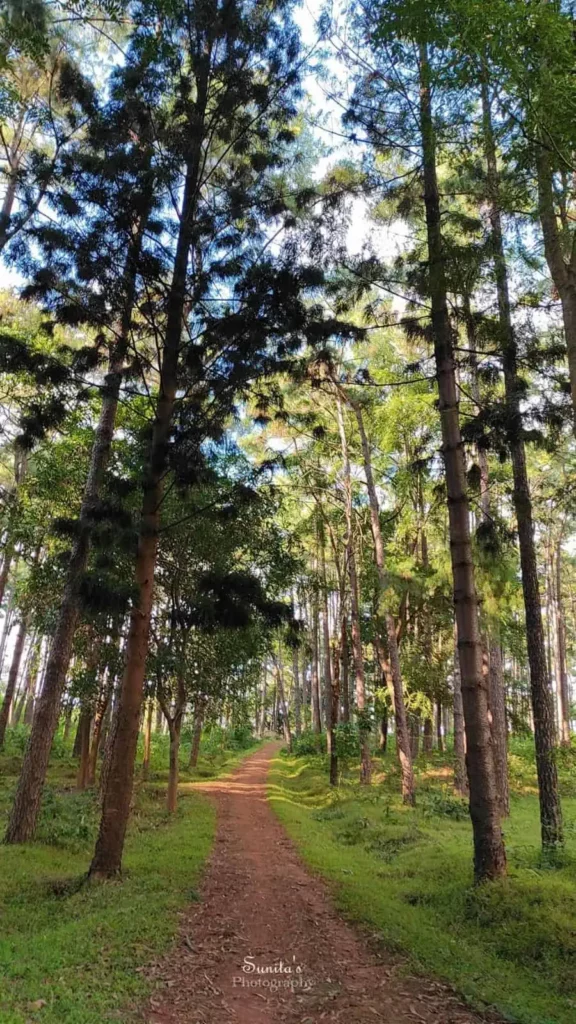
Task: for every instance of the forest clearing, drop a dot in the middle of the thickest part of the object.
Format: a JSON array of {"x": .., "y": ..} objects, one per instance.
[{"x": 287, "y": 516}]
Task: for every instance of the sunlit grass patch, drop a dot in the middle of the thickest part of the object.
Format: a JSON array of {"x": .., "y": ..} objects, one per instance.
[{"x": 408, "y": 874}]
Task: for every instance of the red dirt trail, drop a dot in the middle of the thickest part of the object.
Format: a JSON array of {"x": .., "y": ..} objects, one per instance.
[{"x": 258, "y": 901}]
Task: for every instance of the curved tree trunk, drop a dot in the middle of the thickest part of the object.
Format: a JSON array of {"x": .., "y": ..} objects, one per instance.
[{"x": 489, "y": 852}]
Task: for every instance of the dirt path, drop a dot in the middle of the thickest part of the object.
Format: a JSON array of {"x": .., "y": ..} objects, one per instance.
[{"x": 260, "y": 907}]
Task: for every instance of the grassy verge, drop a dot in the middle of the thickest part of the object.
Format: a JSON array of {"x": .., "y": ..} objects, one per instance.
[
  {"x": 407, "y": 874},
  {"x": 70, "y": 952}
]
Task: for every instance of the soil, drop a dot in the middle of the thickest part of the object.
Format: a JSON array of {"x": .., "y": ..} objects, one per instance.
[{"x": 265, "y": 945}]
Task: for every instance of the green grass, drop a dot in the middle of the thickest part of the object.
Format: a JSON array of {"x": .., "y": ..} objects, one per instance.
[
  {"x": 70, "y": 952},
  {"x": 406, "y": 873}
]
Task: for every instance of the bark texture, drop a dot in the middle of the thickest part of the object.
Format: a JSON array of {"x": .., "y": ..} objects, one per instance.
[{"x": 489, "y": 852}]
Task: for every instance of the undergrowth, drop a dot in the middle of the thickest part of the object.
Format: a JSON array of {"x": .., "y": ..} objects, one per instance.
[{"x": 509, "y": 945}]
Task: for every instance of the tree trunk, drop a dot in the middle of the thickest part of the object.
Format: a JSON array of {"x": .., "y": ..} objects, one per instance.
[
  {"x": 562, "y": 269},
  {"x": 315, "y": 682},
  {"x": 402, "y": 733},
  {"x": 283, "y": 707},
  {"x": 147, "y": 740},
  {"x": 6, "y": 566},
  {"x": 107, "y": 860},
  {"x": 29, "y": 687},
  {"x": 439, "y": 736},
  {"x": 541, "y": 693},
  {"x": 263, "y": 704},
  {"x": 460, "y": 774},
  {"x": 84, "y": 727},
  {"x": 357, "y": 654},
  {"x": 197, "y": 734},
  {"x": 498, "y": 723},
  {"x": 383, "y": 737},
  {"x": 101, "y": 709},
  {"x": 174, "y": 729},
  {"x": 344, "y": 660},
  {"x": 563, "y": 689},
  {"x": 335, "y": 701},
  {"x": 12, "y": 677},
  {"x": 24, "y": 814},
  {"x": 428, "y": 735},
  {"x": 414, "y": 727},
  {"x": 489, "y": 852},
  {"x": 329, "y": 722},
  {"x": 297, "y": 695}
]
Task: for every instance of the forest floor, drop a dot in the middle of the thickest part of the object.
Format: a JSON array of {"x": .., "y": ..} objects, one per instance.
[
  {"x": 405, "y": 873},
  {"x": 72, "y": 953},
  {"x": 265, "y": 944}
]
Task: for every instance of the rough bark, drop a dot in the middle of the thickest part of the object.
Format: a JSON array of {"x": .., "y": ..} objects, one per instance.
[
  {"x": 460, "y": 773},
  {"x": 428, "y": 738},
  {"x": 489, "y": 852},
  {"x": 402, "y": 733},
  {"x": 13, "y": 676},
  {"x": 541, "y": 692}
]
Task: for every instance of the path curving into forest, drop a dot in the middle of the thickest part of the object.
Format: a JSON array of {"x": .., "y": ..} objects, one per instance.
[{"x": 258, "y": 901}]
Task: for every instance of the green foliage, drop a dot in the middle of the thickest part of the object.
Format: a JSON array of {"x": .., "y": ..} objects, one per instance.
[
  {"x": 308, "y": 743},
  {"x": 79, "y": 946},
  {"x": 406, "y": 873}
]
